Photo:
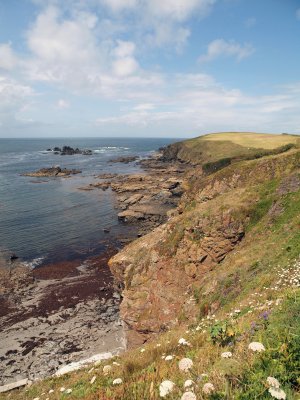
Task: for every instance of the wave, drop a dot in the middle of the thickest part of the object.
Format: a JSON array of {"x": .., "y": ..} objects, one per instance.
[
  {"x": 106, "y": 149},
  {"x": 34, "y": 263}
]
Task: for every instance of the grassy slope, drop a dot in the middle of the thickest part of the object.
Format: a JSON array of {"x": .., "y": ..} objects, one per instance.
[
  {"x": 260, "y": 278},
  {"x": 216, "y": 146}
]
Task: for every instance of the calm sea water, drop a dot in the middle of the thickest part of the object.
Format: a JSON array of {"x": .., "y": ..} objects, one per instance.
[{"x": 49, "y": 219}]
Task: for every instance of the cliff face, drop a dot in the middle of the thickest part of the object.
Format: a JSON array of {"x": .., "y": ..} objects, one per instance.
[{"x": 170, "y": 275}]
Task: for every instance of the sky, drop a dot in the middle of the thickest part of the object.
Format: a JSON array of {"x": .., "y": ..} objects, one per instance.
[{"x": 148, "y": 68}]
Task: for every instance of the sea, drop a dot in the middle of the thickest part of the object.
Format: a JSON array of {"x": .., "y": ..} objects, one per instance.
[{"x": 46, "y": 220}]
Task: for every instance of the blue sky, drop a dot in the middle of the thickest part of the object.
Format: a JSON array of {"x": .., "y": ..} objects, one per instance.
[{"x": 165, "y": 68}]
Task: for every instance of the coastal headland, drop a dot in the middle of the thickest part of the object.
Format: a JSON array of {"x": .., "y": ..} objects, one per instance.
[{"x": 211, "y": 273}]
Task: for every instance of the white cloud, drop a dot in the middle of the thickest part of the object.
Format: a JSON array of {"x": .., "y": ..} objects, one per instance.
[
  {"x": 192, "y": 102},
  {"x": 53, "y": 40},
  {"x": 124, "y": 49},
  {"x": 298, "y": 14},
  {"x": 144, "y": 107},
  {"x": 160, "y": 22},
  {"x": 120, "y": 5},
  {"x": 179, "y": 10},
  {"x": 125, "y": 64},
  {"x": 64, "y": 50},
  {"x": 14, "y": 99},
  {"x": 221, "y": 47},
  {"x": 8, "y": 59},
  {"x": 63, "y": 104}
]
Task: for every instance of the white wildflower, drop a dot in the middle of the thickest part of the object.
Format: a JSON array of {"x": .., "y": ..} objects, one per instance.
[
  {"x": 273, "y": 382},
  {"x": 165, "y": 388},
  {"x": 68, "y": 391},
  {"x": 277, "y": 393},
  {"x": 62, "y": 389},
  {"x": 185, "y": 364},
  {"x": 226, "y": 354},
  {"x": 142, "y": 350},
  {"x": 183, "y": 342},
  {"x": 256, "y": 347},
  {"x": 169, "y": 358},
  {"x": 107, "y": 369},
  {"x": 189, "y": 383},
  {"x": 93, "y": 379},
  {"x": 188, "y": 396},
  {"x": 51, "y": 391},
  {"x": 117, "y": 381},
  {"x": 208, "y": 388}
]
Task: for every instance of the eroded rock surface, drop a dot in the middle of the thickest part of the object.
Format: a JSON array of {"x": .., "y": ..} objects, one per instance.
[
  {"x": 53, "y": 172},
  {"x": 55, "y": 315},
  {"x": 145, "y": 198},
  {"x": 160, "y": 271}
]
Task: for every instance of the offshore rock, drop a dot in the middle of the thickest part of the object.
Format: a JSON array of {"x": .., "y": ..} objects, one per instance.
[{"x": 53, "y": 172}]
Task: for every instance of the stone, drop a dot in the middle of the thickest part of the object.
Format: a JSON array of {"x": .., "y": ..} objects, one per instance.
[
  {"x": 191, "y": 270},
  {"x": 13, "y": 385}
]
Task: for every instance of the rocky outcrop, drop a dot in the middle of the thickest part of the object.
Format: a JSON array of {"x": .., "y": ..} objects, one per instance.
[
  {"x": 124, "y": 160},
  {"x": 53, "y": 172},
  {"x": 145, "y": 199},
  {"x": 160, "y": 271},
  {"x": 69, "y": 151}
]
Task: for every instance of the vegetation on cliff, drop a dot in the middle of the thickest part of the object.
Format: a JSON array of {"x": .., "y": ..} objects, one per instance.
[{"x": 211, "y": 299}]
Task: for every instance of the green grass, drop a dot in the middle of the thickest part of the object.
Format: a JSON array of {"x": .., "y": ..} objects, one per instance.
[
  {"x": 281, "y": 359},
  {"x": 254, "y": 140},
  {"x": 219, "y": 149}
]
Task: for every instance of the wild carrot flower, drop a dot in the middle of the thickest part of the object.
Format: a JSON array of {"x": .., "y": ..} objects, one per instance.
[
  {"x": 277, "y": 393},
  {"x": 117, "y": 381},
  {"x": 208, "y": 388},
  {"x": 185, "y": 364},
  {"x": 188, "y": 384},
  {"x": 165, "y": 388},
  {"x": 188, "y": 396},
  {"x": 256, "y": 347},
  {"x": 273, "y": 382}
]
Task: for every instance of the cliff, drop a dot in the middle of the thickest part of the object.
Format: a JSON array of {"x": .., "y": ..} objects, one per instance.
[{"x": 168, "y": 275}]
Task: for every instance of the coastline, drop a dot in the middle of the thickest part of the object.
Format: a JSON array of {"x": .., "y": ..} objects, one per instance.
[{"x": 65, "y": 312}]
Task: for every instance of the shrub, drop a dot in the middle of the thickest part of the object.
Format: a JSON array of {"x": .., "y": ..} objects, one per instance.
[
  {"x": 222, "y": 333},
  {"x": 210, "y": 167}
]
